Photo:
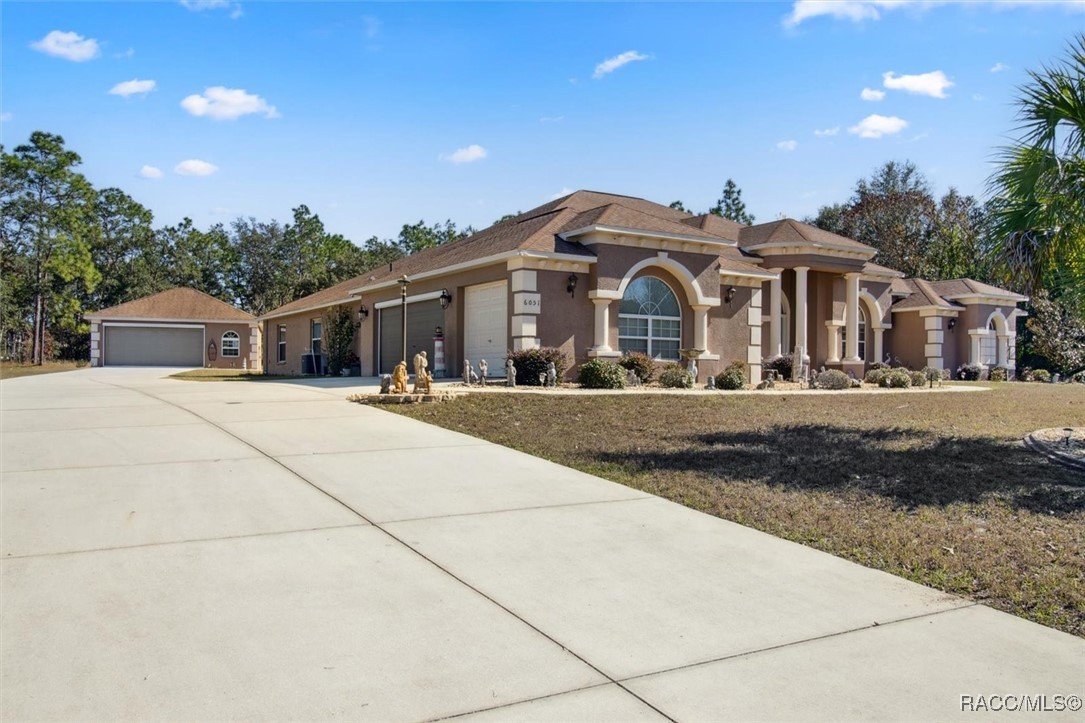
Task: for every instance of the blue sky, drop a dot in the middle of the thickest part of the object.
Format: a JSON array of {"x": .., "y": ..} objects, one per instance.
[{"x": 377, "y": 114}]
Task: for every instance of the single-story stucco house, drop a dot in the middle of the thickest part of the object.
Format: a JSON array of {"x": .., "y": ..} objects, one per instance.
[
  {"x": 598, "y": 275},
  {"x": 179, "y": 327}
]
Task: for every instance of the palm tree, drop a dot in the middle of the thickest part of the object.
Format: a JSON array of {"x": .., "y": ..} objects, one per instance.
[{"x": 1039, "y": 191}]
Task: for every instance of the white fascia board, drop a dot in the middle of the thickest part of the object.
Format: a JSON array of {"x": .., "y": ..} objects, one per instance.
[
  {"x": 474, "y": 264},
  {"x": 992, "y": 299},
  {"x": 870, "y": 276},
  {"x": 147, "y": 320},
  {"x": 929, "y": 307},
  {"x": 764, "y": 275},
  {"x": 145, "y": 325},
  {"x": 649, "y": 234},
  {"x": 314, "y": 307},
  {"x": 812, "y": 249},
  {"x": 428, "y": 296}
]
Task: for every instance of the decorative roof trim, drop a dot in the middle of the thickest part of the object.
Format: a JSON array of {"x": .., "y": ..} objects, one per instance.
[
  {"x": 662, "y": 235},
  {"x": 779, "y": 248}
]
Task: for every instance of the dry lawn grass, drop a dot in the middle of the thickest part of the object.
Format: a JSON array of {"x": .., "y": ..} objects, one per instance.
[
  {"x": 937, "y": 488},
  {"x": 11, "y": 370}
]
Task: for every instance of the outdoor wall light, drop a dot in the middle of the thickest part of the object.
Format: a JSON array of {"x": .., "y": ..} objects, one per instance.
[
  {"x": 952, "y": 323},
  {"x": 446, "y": 298},
  {"x": 730, "y": 295},
  {"x": 363, "y": 312},
  {"x": 571, "y": 286}
]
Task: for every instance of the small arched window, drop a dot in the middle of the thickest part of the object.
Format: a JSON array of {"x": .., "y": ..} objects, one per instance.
[
  {"x": 989, "y": 345},
  {"x": 231, "y": 344},
  {"x": 650, "y": 319}
]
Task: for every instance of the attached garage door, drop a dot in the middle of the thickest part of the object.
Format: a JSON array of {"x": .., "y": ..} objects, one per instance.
[
  {"x": 486, "y": 320},
  {"x": 423, "y": 318},
  {"x": 153, "y": 346}
]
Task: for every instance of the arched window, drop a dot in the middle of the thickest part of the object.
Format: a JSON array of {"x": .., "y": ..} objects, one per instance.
[
  {"x": 231, "y": 344},
  {"x": 861, "y": 336},
  {"x": 650, "y": 319},
  {"x": 989, "y": 345}
]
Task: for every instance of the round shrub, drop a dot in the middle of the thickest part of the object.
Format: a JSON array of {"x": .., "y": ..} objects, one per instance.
[
  {"x": 934, "y": 375},
  {"x": 1041, "y": 375},
  {"x": 875, "y": 375},
  {"x": 833, "y": 379},
  {"x": 1079, "y": 377},
  {"x": 675, "y": 377},
  {"x": 640, "y": 364},
  {"x": 733, "y": 377},
  {"x": 919, "y": 379},
  {"x": 997, "y": 374},
  {"x": 878, "y": 365},
  {"x": 530, "y": 363},
  {"x": 969, "y": 372},
  {"x": 896, "y": 379},
  {"x": 781, "y": 364},
  {"x": 601, "y": 374}
]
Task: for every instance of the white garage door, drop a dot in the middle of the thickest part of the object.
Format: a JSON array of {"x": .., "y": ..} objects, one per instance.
[
  {"x": 153, "y": 346},
  {"x": 486, "y": 320}
]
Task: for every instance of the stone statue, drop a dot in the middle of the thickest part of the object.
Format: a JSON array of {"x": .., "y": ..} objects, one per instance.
[
  {"x": 631, "y": 378},
  {"x": 420, "y": 364},
  {"x": 467, "y": 372},
  {"x": 711, "y": 384},
  {"x": 399, "y": 378},
  {"x": 551, "y": 374},
  {"x": 423, "y": 383},
  {"x": 386, "y": 383},
  {"x": 483, "y": 370},
  {"x": 692, "y": 369},
  {"x": 510, "y": 373}
]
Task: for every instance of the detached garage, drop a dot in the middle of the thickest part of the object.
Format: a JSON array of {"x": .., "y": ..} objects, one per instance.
[{"x": 178, "y": 328}]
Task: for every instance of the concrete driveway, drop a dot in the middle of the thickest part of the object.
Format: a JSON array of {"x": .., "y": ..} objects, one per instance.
[{"x": 180, "y": 550}]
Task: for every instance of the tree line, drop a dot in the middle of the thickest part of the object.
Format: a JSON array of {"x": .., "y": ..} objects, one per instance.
[{"x": 67, "y": 248}]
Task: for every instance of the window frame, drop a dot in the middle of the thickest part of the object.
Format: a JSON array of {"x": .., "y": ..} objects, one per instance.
[
  {"x": 862, "y": 328},
  {"x": 652, "y": 320},
  {"x": 989, "y": 341},
  {"x": 281, "y": 344},
  {"x": 232, "y": 350},
  {"x": 316, "y": 340}
]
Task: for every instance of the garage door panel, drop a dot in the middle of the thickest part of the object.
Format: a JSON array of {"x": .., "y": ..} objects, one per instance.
[
  {"x": 423, "y": 318},
  {"x": 486, "y": 324},
  {"x": 153, "y": 346}
]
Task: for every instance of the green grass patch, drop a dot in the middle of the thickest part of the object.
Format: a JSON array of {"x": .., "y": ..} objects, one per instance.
[{"x": 936, "y": 488}]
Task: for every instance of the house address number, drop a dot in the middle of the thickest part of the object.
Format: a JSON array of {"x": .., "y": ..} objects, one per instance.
[{"x": 527, "y": 303}]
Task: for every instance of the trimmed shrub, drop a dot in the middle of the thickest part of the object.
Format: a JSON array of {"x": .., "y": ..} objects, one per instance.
[
  {"x": 530, "y": 363},
  {"x": 896, "y": 379},
  {"x": 1078, "y": 378},
  {"x": 919, "y": 379},
  {"x": 781, "y": 364},
  {"x": 833, "y": 379},
  {"x": 998, "y": 374},
  {"x": 1041, "y": 375},
  {"x": 733, "y": 377},
  {"x": 878, "y": 365},
  {"x": 934, "y": 375},
  {"x": 675, "y": 377},
  {"x": 1025, "y": 375},
  {"x": 639, "y": 363},
  {"x": 601, "y": 374},
  {"x": 875, "y": 375},
  {"x": 969, "y": 372}
]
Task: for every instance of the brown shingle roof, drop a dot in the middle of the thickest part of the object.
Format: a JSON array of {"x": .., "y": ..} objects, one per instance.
[
  {"x": 622, "y": 216},
  {"x": 179, "y": 303},
  {"x": 923, "y": 294},
  {"x": 966, "y": 287},
  {"x": 738, "y": 262},
  {"x": 337, "y": 294},
  {"x": 790, "y": 231},
  {"x": 872, "y": 268},
  {"x": 716, "y": 225}
]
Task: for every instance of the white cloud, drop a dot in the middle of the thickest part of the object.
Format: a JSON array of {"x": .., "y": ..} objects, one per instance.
[
  {"x": 67, "y": 45},
  {"x": 131, "y": 52},
  {"x": 552, "y": 119},
  {"x": 999, "y": 67},
  {"x": 787, "y": 145},
  {"x": 560, "y": 194},
  {"x": 5, "y": 117},
  {"x": 876, "y": 126},
  {"x": 933, "y": 83},
  {"x": 872, "y": 94},
  {"x": 197, "y": 6},
  {"x": 222, "y": 103},
  {"x": 152, "y": 172},
  {"x": 133, "y": 87},
  {"x": 827, "y": 131},
  {"x": 611, "y": 64},
  {"x": 195, "y": 167},
  {"x": 858, "y": 11},
  {"x": 470, "y": 154}
]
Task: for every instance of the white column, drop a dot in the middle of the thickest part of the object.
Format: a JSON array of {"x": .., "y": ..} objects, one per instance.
[
  {"x": 602, "y": 324},
  {"x": 878, "y": 334},
  {"x": 800, "y": 309},
  {"x": 851, "y": 318},
  {"x": 1003, "y": 354},
  {"x": 775, "y": 301},
  {"x": 975, "y": 335},
  {"x": 700, "y": 327},
  {"x": 834, "y": 341}
]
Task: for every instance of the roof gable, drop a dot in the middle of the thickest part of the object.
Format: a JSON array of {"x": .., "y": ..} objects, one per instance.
[{"x": 177, "y": 303}]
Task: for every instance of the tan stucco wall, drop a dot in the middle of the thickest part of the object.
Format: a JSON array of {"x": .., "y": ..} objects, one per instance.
[
  {"x": 244, "y": 331},
  {"x": 907, "y": 340},
  {"x": 298, "y": 339}
]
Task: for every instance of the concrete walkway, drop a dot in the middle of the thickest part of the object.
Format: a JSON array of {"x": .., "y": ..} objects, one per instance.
[{"x": 190, "y": 551}]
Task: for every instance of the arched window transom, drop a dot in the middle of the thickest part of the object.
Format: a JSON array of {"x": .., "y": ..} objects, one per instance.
[
  {"x": 231, "y": 344},
  {"x": 650, "y": 319},
  {"x": 989, "y": 345}
]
